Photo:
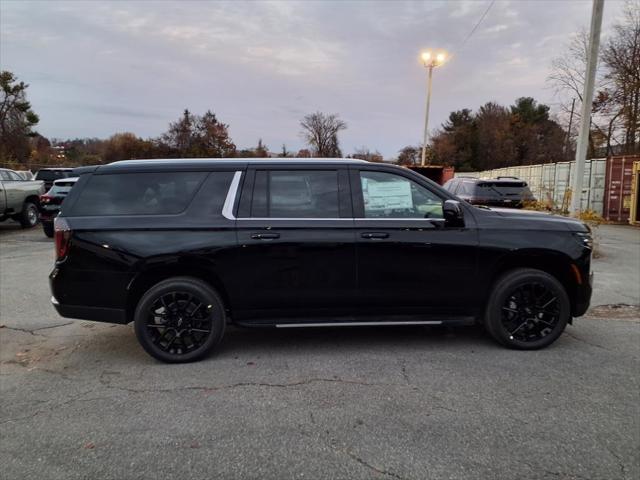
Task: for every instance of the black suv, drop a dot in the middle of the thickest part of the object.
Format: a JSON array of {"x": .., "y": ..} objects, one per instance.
[
  {"x": 500, "y": 192},
  {"x": 184, "y": 247}
]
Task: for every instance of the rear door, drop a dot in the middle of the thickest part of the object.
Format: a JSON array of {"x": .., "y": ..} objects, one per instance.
[
  {"x": 296, "y": 242},
  {"x": 409, "y": 260}
]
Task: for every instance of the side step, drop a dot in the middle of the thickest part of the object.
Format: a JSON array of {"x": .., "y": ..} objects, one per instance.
[{"x": 357, "y": 324}]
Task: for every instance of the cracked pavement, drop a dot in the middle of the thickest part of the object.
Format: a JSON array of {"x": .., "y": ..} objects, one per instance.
[{"x": 81, "y": 400}]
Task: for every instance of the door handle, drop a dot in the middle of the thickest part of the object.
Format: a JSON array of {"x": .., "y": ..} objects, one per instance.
[
  {"x": 374, "y": 235},
  {"x": 265, "y": 236}
]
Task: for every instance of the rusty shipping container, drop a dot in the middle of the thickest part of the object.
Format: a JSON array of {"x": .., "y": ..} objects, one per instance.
[
  {"x": 438, "y": 173},
  {"x": 634, "y": 218},
  {"x": 617, "y": 187}
]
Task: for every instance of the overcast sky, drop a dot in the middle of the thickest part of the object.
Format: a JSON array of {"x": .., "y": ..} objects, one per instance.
[{"x": 96, "y": 68}]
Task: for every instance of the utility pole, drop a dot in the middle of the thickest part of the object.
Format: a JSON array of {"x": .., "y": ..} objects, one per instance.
[
  {"x": 587, "y": 97},
  {"x": 568, "y": 145}
]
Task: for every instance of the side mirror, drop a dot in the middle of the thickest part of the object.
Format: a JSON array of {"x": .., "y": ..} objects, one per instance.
[{"x": 453, "y": 213}]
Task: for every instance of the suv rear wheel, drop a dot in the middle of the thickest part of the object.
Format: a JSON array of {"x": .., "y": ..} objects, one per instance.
[
  {"x": 528, "y": 309},
  {"x": 180, "y": 320}
]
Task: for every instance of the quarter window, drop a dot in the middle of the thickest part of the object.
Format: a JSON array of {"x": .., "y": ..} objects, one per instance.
[
  {"x": 295, "y": 194},
  {"x": 386, "y": 195},
  {"x": 138, "y": 193}
]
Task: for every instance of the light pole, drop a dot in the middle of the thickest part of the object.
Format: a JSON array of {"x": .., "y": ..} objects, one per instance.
[{"x": 430, "y": 62}]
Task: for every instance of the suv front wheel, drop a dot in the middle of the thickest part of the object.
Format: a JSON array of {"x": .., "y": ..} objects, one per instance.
[
  {"x": 179, "y": 320},
  {"x": 528, "y": 309}
]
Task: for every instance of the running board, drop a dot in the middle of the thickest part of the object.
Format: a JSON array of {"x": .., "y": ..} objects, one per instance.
[{"x": 357, "y": 324}]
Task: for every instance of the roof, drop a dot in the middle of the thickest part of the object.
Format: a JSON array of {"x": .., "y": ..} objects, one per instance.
[
  {"x": 196, "y": 164},
  {"x": 217, "y": 161}
]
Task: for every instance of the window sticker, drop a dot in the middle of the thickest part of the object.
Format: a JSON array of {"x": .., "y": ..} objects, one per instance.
[{"x": 393, "y": 195}]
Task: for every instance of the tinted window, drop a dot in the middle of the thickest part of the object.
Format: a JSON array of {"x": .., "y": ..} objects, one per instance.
[
  {"x": 501, "y": 189},
  {"x": 4, "y": 175},
  {"x": 386, "y": 195},
  {"x": 295, "y": 194},
  {"x": 138, "y": 193},
  {"x": 214, "y": 192},
  {"x": 52, "y": 174}
]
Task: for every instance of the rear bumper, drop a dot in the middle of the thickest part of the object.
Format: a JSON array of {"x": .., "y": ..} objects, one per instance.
[{"x": 97, "y": 314}]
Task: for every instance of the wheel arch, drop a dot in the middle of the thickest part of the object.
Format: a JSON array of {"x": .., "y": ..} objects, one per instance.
[
  {"x": 35, "y": 199},
  {"x": 153, "y": 275},
  {"x": 556, "y": 264}
]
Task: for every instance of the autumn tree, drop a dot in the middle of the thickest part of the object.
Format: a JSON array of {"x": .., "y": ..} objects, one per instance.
[
  {"x": 16, "y": 119},
  {"x": 194, "y": 136},
  {"x": 409, "y": 155},
  {"x": 320, "y": 131}
]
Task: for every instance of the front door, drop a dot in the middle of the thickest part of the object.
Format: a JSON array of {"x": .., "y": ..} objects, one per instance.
[
  {"x": 296, "y": 242},
  {"x": 409, "y": 260}
]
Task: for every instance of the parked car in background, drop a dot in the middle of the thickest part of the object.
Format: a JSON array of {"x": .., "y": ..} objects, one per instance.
[
  {"x": 26, "y": 174},
  {"x": 499, "y": 192},
  {"x": 182, "y": 247},
  {"x": 48, "y": 175},
  {"x": 51, "y": 201},
  {"x": 19, "y": 198}
]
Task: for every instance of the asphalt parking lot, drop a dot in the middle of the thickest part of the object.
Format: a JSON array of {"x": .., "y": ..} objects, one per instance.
[{"x": 81, "y": 400}]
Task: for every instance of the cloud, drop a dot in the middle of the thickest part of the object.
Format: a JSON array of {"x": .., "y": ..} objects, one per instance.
[{"x": 100, "y": 67}]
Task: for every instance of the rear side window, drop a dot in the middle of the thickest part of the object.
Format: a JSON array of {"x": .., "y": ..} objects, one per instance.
[
  {"x": 138, "y": 193},
  {"x": 296, "y": 194}
]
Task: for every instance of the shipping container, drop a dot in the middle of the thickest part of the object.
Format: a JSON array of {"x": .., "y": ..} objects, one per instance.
[
  {"x": 438, "y": 173},
  {"x": 634, "y": 214},
  {"x": 617, "y": 195}
]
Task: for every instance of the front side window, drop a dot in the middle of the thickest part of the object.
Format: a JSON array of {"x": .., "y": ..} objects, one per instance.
[
  {"x": 295, "y": 194},
  {"x": 387, "y": 195}
]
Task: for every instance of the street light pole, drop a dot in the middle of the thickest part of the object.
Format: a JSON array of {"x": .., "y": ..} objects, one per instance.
[
  {"x": 426, "y": 116},
  {"x": 430, "y": 62}
]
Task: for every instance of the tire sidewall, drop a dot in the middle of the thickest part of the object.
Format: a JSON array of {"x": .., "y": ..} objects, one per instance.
[
  {"x": 504, "y": 287},
  {"x": 196, "y": 287},
  {"x": 25, "y": 221}
]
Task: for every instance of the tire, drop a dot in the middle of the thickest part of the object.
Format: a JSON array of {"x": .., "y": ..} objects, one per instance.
[
  {"x": 29, "y": 215},
  {"x": 47, "y": 227},
  {"x": 528, "y": 309},
  {"x": 189, "y": 307}
]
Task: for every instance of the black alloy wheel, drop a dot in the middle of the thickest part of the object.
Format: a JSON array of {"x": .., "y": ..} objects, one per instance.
[
  {"x": 528, "y": 309},
  {"x": 180, "y": 320}
]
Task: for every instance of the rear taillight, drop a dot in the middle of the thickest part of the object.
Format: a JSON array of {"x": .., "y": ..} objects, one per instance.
[
  {"x": 62, "y": 236},
  {"x": 45, "y": 198}
]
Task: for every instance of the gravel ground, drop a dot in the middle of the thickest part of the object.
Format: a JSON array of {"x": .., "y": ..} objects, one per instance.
[{"x": 81, "y": 400}]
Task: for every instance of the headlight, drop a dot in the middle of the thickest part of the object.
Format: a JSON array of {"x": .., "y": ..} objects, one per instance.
[{"x": 585, "y": 239}]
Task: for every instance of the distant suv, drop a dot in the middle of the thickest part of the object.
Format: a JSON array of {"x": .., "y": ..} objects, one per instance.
[
  {"x": 184, "y": 247},
  {"x": 499, "y": 192},
  {"x": 49, "y": 175}
]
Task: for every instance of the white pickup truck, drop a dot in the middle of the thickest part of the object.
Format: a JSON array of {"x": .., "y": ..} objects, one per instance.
[{"x": 19, "y": 198}]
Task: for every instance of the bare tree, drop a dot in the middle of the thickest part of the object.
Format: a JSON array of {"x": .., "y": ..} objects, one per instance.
[
  {"x": 320, "y": 131},
  {"x": 615, "y": 109},
  {"x": 620, "y": 97}
]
